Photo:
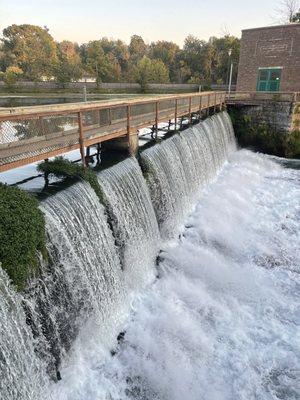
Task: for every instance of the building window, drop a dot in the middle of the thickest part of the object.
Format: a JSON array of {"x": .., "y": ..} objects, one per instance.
[{"x": 269, "y": 79}]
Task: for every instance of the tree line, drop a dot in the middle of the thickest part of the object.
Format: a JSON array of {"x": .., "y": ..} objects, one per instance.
[{"x": 29, "y": 52}]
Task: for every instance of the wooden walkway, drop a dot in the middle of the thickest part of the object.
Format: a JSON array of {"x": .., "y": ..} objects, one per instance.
[{"x": 31, "y": 134}]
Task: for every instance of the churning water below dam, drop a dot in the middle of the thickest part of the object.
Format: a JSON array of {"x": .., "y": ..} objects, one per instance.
[{"x": 216, "y": 316}]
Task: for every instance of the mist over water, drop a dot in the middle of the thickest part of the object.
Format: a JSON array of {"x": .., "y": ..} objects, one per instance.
[
  {"x": 222, "y": 322},
  {"x": 215, "y": 316}
]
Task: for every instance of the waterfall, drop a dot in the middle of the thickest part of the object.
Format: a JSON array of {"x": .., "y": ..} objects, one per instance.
[
  {"x": 133, "y": 220},
  {"x": 178, "y": 168},
  {"x": 87, "y": 273},
  {"x": 102, "y": 252},
  {"x": 21, "y": 372}
]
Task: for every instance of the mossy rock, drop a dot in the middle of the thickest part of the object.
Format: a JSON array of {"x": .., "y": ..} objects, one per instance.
[
  {"x": 261, "y": 137},
  {"x": 293, "y": 144},
  {"x": 22, "y": 234}
]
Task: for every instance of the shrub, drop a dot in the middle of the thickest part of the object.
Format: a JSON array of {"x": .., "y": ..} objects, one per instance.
[
  {"x": 63, "y": 168},
  {"x": 22, "y": 234}
]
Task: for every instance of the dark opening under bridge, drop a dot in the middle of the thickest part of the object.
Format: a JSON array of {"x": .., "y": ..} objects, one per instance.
[{"x": 31, "y": 134}]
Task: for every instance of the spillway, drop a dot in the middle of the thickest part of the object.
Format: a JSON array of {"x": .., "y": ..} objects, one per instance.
[{"x": 180, "y": 281}]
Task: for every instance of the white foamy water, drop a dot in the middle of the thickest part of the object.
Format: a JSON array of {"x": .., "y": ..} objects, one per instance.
[
  {"x": 133, "y": 221},
  {"x": 222, "y": 322}
]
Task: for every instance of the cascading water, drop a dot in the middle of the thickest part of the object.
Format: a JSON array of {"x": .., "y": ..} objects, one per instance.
[
  {"x": 133, "y": 221},
  {"x": 85, "y": 259},
  {"x": 178, "y": 168},
  {"x": 21, "y": 372},
  {"x": 220, "y": 323}
]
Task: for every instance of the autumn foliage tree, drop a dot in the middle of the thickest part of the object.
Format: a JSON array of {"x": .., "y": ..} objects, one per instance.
[
  {"x": 34, "y": 52},
  {"x": 31, "y": 48},
  {"x": 68, "y": 66}
]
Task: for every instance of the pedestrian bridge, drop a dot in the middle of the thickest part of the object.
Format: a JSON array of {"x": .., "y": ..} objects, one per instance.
[{"x": 31, "y": 134}]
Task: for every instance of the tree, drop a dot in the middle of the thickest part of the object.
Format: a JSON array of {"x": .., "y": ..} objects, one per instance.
[
  {"x": 224, "y": 51},
  {"x": 137, "y": 48},
  {"x": 197, "y": 55},
  {"x": 69, "y": 66},
  {"x": 296, "y": 17},
  {"x": 104, "y": 67},
  {"x": 31, "y": 48},
  {"x": 150, "y": 71},
  {"x": 119, "y": 50},
  {"x": 11, "y": 75},
  {"x": 289, "y": 11},
  {"x": 168, "y": 53}
]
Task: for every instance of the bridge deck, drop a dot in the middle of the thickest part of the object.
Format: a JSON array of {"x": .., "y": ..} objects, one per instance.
[
  {"x": 257, "y": 98},
  {"x": 30, "y": 134}
]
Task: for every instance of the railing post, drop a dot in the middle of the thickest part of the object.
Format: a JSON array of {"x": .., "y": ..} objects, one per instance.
[
  {"x": 295, "y": 97},
  {"x": 156, "y": 119},
  {"x": 208, "y": 105},
  {"x": 128, "y": 121},
  {"x": 190, "y": 110},
  {"x": 200, "y": 106},
  {"x": 99, "y": 117},
  {"x": 41, "y": 123},
  {"x": 81, "y": 139},
  {"x": 176, "y": 113},
  {"x": 215, "y": 105}
]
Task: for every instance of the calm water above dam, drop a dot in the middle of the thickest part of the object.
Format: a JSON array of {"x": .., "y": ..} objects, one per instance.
[
  {"x": 31, "y": 100},
  {"x": 215, "y": 316}
]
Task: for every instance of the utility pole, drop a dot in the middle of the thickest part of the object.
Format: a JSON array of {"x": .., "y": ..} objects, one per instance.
[
  {"x": 230, "y": 73},
  {"x": 84, "y": 94}
]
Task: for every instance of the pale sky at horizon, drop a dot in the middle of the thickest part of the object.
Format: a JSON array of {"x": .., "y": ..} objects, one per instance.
[{"x": 172, "y": 20}]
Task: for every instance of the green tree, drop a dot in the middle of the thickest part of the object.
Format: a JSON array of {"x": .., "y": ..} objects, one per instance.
[
  {"x": 168, "y": 53},
  {"x": 105, "y": 67},
  {"x": 69, "y": 66},
  {"x": 31, "y": 48},
  {"x": 197, "y": 56},
  {"x": 150, "y": 71},
  {"x": 117, "y": 50},
  {"x": 137, "y": 48},
  {"x": 224, "y": 51},
  {"x": 11, "y": 75}
]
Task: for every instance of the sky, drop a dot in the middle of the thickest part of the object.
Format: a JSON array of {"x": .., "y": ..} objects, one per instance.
[{"x": 173, "y": 20}]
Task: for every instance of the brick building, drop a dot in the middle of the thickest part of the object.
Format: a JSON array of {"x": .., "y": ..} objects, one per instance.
[{"x": 270, "y": 59}]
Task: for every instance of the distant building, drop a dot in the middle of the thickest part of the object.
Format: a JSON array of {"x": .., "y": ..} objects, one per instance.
[
  {"x": 87, "y": 79},
  {"x": 270, "y": 59}
]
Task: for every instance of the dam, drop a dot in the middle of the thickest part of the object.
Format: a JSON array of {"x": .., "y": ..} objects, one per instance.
[{"x": 180, "y": 280}]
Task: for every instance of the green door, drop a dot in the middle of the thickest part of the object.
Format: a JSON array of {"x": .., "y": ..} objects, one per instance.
[{"x": 269, "y": 80}]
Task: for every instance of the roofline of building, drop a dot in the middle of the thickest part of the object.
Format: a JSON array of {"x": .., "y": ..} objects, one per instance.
[{"x": 291, "y": 25}]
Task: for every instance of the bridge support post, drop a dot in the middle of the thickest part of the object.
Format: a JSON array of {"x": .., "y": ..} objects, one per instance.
[{"x": 132, "y": 137}]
